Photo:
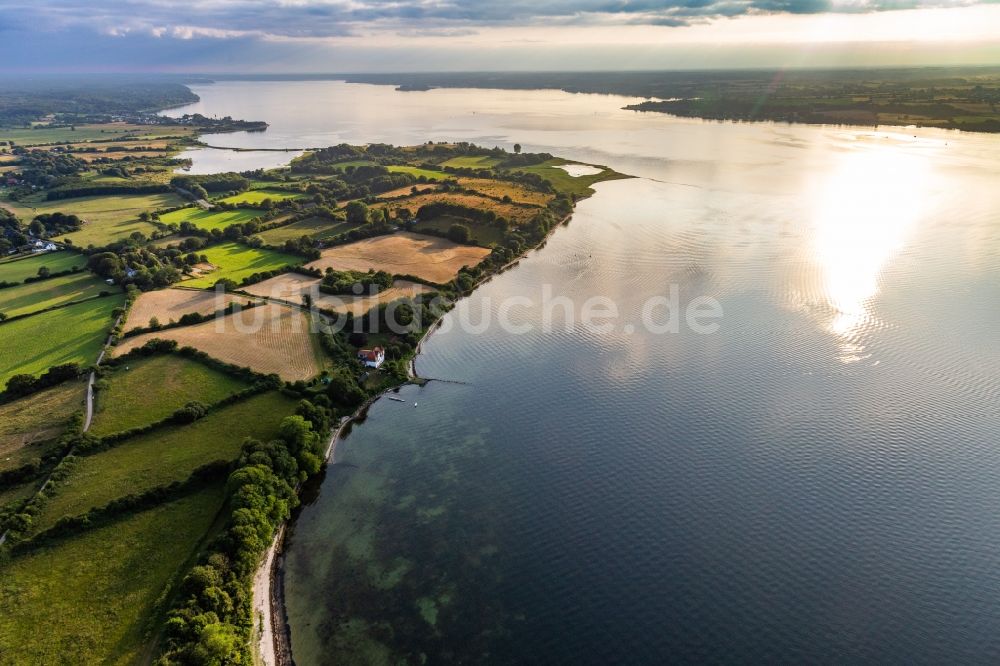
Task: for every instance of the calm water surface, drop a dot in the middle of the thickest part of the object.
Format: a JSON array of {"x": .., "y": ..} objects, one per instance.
[{"x": 816, "y": 482}]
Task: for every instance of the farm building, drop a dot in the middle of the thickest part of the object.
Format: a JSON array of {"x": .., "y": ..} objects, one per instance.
[{"x": 372, "y": 358}]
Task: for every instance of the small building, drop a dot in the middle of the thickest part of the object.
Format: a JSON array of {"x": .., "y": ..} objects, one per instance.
[{"x": 372, "y": 358}]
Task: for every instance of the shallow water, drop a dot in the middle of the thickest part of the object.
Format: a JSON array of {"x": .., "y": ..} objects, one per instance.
[{"x": 817, "y": 481}]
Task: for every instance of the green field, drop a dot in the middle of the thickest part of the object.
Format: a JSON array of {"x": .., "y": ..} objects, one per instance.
[
  {"x": 107, "y": 218},
  {"x": 481, "y": 162},
  {"x": 314, "y": 227},
  {"x": 98, "y": 209},
  {"x": 17, "y": 494},
  {"x": 36, "y": 296},
  {"x": 100, "y": 234},
  {"x": 19, "y": 269},
  {"x": 73, "y": 334},
  {"x": 417, "y": 171},
  {"x": 152, "y": 388},
  {"x": 257, "y": 196},
  {"x": 164, "y": 455},
  {"x": 42, "y": 135},
  {"x": 210, "y": 219},
  {"x": 353, "y": 163},
  {"x": 29, "y": 425},
  {"x": 235, "y": 262},
  {"x": 95, "y": 598},
  {"x": 565, "y": 183}
]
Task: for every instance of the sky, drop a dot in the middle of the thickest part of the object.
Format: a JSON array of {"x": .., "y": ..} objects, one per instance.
[{"x": 331, "y": 36}]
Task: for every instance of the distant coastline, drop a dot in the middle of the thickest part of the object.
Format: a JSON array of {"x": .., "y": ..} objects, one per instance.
[{"x": 959, "y": 98}]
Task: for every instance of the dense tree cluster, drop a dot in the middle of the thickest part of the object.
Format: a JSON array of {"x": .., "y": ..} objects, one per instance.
[
  {"x": 12, "y": 235},
  {"x": 146, "y": 268},
  {"x": 53, "y": 224},
  {"x": 355, "y": 282},
  {"x": 21, "y": 385},
  {"x": 216, "y": 182},
  {"x": 213, "y": 621},
  {"x": 44, "y": 168}
]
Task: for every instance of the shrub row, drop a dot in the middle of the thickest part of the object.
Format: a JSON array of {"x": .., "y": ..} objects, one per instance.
[
  {"x": 23, "y": 385},
  {"x": 70, "y": 192},
  {"x": 99, "y": 516},
  {"x": 40, "y": 278}
]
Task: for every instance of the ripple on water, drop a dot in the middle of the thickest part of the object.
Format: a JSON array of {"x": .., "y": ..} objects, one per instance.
[{"x": 815, "y": 482}]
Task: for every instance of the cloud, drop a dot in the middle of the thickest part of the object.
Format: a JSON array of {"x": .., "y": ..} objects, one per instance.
[
  {"x": 364, "y": 35},
  {"x": 319, "y": 19}
]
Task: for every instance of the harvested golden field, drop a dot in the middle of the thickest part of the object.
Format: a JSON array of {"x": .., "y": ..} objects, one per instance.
[
  {"x": 408, "y": 190},
  {"x": 291, "y": 287},
  {"x": 170, "y": 304},
  {"x": 513, "y": 212},
  {"x": 499, "y": 189},
  {"x": 287, "y": 286},
  {"x": 427, "y": 257},
  {"x": 271, "y": 338}
]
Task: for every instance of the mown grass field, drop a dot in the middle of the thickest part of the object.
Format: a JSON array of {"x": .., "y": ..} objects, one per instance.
[
  {"x": 104, "y": 132},
  {"x": 500, "y": 189},
  {"x": 258, "y": 196},
  {"x": 164, "y": 455},
  {"x": 93, "y": 598},
  {"x": 435, "y": 259},
  {"x": 73, "y": 334},
  {"x": 515, "y": 213},
  {"x": 291, "y": 287},
  {"x": 314, "y": 227},
  {"x": 18, "y": 269},
  {"x": 235, "y": 262},
  {"x": 210, "y": 219},
  {"x": 44, "y": 294},
  {"x": 169, "y": 305},
  {"x": 271, "y": 339},
  {"x": 153, "y": 388},
  {"x": 29, "y": 425},
  {"x": 430, "y": 174}
]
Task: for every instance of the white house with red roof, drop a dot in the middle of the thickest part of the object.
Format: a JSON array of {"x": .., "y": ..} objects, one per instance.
[{"x": 372, "y": 358}]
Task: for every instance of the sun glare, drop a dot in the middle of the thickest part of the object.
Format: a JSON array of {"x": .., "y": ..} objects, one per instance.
[{"x": 865, "y": 211}]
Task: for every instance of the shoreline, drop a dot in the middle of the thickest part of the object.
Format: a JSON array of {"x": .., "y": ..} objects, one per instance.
[{"x": 270, "y": 613}]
